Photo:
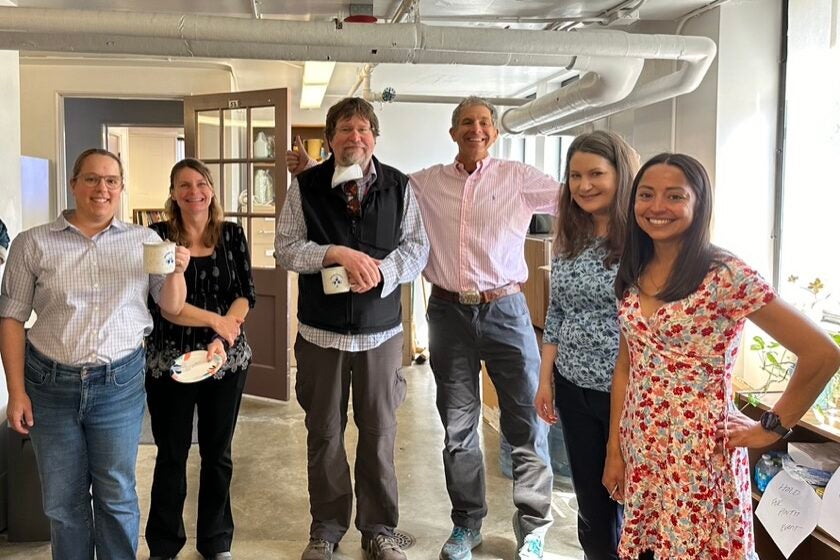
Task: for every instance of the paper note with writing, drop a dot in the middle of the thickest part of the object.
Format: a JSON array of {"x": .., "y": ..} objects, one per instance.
[
  {"x": 830, "y": 511},
  {"x": 789, "y": 510}
]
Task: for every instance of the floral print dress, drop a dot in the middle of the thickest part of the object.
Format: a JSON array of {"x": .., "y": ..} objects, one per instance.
[{"x": 686, "y": 497}]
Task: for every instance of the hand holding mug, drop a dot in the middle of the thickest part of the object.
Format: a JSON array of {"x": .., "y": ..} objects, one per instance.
[{"x": 182, "y": 259}]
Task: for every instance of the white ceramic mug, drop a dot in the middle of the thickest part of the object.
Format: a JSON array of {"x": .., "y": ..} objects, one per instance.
[
  {"x": 159, "y": 257},
  {"x": 335, "y": 280}
]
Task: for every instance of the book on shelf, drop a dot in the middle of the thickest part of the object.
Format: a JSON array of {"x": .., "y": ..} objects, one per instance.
[{"x": 148, "y": 216}]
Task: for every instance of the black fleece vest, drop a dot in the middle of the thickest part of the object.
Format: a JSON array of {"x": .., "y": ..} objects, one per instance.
[{"x": 377, "y": 233}]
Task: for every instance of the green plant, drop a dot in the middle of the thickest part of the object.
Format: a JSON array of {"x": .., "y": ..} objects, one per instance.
[{"x": 778, "y": 363}]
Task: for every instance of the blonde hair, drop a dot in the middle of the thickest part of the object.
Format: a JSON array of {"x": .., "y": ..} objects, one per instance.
[{"x": 177, "y": 231}]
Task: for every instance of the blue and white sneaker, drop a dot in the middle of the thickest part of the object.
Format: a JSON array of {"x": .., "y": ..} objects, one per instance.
[
  {"x": 528, "y": 547},
  {"x": 460, "y": 543}
]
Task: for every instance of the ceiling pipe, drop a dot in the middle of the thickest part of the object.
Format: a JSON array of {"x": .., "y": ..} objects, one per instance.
[
  {"x": 389, "y": 95},
  {"x": 364, "y": 71},
  {"x": 402, "y": 10},
  {"x": 684, "y": 80},
  {"x": 451, "y": 99},
  {"x": 31, "y": 29},
  {"x": 115, "y": 45},
  {"x": 255, "y": 9},
  {"x": 605, "y": 81},
  {"x": 411, "y": 41}
]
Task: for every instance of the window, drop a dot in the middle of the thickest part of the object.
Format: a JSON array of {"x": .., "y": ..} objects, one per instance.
[{"x": 810, "y": 208}]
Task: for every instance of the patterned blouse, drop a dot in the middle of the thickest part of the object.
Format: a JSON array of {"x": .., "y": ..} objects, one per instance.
[
  {"x": 686, "y": 498},
  {"x": 213, "y": 283},
  {"x": 582, "y": 318}
]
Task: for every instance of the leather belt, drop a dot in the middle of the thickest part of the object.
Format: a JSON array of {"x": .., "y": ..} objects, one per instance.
[{"x": 474, "y": 297}]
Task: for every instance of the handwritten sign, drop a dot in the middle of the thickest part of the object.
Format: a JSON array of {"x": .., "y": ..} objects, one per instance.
[
  {"x": 789, "y": 510},
  {"x": 830, "y": 512}
]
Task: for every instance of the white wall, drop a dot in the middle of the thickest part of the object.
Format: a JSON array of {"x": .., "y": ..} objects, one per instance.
[
  {"x": 151, "y": 157},
  {"x": 10, "y": 205},
  {"x": 745, "y": 151},
  {"x": 10, "y": 196},
  {"x": 415, "y": 135}
]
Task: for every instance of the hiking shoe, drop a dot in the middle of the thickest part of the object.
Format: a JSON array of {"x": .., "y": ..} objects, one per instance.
[
  {"x": 529, "y": 546},
  {"x": 382, "y": 547},
  {"x": 460, "y": 543},
  {"x": 318, "y": 549}
]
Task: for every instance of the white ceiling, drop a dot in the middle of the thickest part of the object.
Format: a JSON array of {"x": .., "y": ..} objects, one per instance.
[{"x": 454, "y": 80}]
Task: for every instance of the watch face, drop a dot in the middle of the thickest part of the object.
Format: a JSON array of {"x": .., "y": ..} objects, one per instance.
[{"x": 769, "y": 420}]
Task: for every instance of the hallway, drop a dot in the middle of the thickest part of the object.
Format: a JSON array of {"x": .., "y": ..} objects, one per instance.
[{"x": 269, "y": 488}]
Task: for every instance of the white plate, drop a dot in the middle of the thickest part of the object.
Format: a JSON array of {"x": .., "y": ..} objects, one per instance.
[{"x": 193, "y": 367}]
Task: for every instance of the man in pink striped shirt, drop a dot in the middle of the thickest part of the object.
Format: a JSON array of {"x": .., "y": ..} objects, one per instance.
[{"x": 476, "y": 211}]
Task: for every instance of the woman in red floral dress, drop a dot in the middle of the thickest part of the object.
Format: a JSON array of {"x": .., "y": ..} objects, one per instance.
[{"x": 676, "y": 454}]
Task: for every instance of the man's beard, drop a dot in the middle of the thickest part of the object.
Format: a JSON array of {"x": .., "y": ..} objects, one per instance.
[{"x": 350, "y": 157}]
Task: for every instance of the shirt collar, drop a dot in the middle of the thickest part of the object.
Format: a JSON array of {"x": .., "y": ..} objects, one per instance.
[
  {"x": 61, "y": 223},
  {"x": 479, "y": 167}
]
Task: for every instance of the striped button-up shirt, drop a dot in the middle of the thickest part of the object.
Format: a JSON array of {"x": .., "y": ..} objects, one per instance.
[
  {"x": 89, "y": 294},
  {"x": 295, "y": 252},
  {"x": 477, "y": 222}
]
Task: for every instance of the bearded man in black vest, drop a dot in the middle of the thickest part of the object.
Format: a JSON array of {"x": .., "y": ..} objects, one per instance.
[{"x": 356, "y": 218}]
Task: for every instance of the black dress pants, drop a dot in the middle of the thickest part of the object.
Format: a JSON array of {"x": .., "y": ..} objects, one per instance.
[
  {"x": 171, "y": 407},
  {"x": 585, "y": 416}
]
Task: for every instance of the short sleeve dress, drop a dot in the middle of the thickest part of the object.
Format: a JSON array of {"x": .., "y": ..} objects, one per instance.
[
  {"x": 685, "y": 497},
  {"x": 213, "y": 283}
]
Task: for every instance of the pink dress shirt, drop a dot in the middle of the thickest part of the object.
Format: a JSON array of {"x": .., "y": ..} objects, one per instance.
[{"x": 477, "y": 222}]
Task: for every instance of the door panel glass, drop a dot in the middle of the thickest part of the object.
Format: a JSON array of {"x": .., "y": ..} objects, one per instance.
[
  {"x": 207, "y": 144},
  {"x": 262, "y": 242},
  {"x": 235, "y": 188},
  {"x": 216, "y": 175},
  {"x": 235, "y": 138},
  {"x": 262, "y": 133},
  {"x": 262, "y": 188}
]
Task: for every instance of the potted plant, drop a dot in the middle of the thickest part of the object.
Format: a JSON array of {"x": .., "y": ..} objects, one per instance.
[{"x": 778, "y": 363}]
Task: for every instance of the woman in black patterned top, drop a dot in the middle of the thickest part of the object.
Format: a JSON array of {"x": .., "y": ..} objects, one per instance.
[{"x": 220, "y": 292}]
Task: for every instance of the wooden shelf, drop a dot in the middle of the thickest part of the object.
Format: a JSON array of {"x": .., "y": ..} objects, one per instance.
[
  {"x": 311, "y": 132},
  {"x": 766, "y": 401},
  {"x": 147, "y": 216},
  {"x": 819, "y": 545}
]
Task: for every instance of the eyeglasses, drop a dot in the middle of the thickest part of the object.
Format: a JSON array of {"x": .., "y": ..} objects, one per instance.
[{"x": 92, "y": 180}]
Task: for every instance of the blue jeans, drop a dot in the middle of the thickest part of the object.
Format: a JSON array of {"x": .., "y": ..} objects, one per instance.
[{"x": 87, "y": 429}]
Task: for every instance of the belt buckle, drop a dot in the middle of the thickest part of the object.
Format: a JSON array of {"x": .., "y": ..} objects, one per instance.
[{"x": 472, "y": 297}]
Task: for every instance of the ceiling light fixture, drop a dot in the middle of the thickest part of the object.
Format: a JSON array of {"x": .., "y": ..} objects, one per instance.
[{"x": 316, "y": 78}]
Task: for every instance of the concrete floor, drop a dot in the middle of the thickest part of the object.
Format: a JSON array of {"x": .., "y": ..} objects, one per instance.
[{"x": 270, "y": 501}]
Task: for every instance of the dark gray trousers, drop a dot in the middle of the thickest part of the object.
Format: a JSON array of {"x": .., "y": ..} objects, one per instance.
[
  {"x": 324, "y": 379},
  {"x": 501, "y": 334}
]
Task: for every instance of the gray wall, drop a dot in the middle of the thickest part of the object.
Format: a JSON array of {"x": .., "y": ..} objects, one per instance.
[{"x": 85, "y": 119}]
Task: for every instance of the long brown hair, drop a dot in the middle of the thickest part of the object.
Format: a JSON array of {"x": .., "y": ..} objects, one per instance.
[
  {"x": 697, "y": 253},
  {"x": 177, "y": 231},
  {"x": 575, "y": 227}
]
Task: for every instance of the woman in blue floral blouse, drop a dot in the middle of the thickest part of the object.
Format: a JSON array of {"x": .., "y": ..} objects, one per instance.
[
  {"x": 220, "y": 292},
  {"x": 580, "y": 342}
]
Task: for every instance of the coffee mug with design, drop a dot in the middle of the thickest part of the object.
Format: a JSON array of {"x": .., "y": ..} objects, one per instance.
[
  {"x": 335, "y": 280},
  {"x": 159, "y": 257}
]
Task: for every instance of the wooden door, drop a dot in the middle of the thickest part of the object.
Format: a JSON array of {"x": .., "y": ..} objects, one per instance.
[{"x": 243, "y": 138}]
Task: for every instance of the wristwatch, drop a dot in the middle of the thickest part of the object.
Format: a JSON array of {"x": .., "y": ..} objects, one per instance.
[{"x": 770, "y": 421}]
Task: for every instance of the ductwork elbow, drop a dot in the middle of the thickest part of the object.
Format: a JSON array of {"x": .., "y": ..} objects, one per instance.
[{"x": 607, "y": 80}]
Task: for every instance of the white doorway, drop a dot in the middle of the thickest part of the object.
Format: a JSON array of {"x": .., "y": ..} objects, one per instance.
[{"x": 148, "y": 154}]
